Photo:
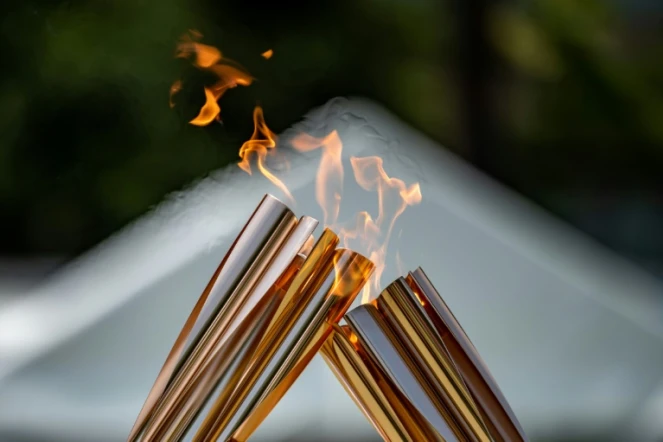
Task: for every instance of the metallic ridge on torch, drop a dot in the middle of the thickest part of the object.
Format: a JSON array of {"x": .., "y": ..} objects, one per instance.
[
  {"x": 409, "y": 386},
  {"x": 404, "y": 313},
  {"x": 253, "y": 248},
  {"x": 265, "y": 313},
  {"x": 414, "y": 373},
  {"x": 275, "y": 301},
  {"x": 320, "y": 294},
  {"x": 215, "y": 359},
  {"x": 491, "y": 403},
  {"x": 329, "y": 304}
]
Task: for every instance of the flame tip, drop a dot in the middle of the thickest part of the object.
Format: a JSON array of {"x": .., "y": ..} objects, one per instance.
[
  {"x": 209, "y": 58},
  {"x": 369, "y": 173}
]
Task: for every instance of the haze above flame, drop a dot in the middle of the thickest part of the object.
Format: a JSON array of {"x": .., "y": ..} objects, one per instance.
[{"x": 394, "y": 196}]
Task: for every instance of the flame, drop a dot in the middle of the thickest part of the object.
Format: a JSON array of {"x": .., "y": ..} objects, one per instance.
[
  {"x": 419, "y": 298},
  {"x": 229, "y": 74},
  {"x": 370, "y": 175},
  {"x": 418, "y": 294},
  {"x": 329, "y": 179},
  {"x": 351, "y": 272},
  {"x": 308, "y": 246},
  {"x": 368, "y": 233},
  {"x": 400, "y": 268},
  {"x": 261, "y": 143},
  {"x": 393, "y": 195},
  {"x": 174, "y": 89},
  {"x": 209, "y": 112}
]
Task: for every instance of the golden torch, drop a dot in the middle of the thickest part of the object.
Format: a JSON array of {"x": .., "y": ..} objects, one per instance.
[
  {"x": 275, "y": 300},
  {"x": 265, "y": 313},
  {"x": 414, "y": 373}
]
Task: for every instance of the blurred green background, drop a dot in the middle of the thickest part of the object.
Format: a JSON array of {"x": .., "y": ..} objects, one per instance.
[{"x": 559, "y": 99}]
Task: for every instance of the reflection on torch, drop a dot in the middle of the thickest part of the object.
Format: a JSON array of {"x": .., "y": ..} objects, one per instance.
[
  {"x": 229, "y": 289},
  {"x": 411, "y": 369},
  {"x": 266, "y": 312},
  {"x": 295, "y": 341}
]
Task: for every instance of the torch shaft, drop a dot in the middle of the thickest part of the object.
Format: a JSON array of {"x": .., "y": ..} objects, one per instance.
[
  {"x": 259, "y": 245},
  {"x": 275, "y": 301},
  {"x": 209, "y": 362},
  {"x": 500, "y": 420},
  {"x": 330, "y": 302},
  {"x": 406, "y": 317},
  {"x": 366, "y": 385},
  {"x": 306, "y": 282}
]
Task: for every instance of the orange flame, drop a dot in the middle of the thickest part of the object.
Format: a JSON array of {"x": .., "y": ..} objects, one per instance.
[
  {"x": 229, "y": 74},
  {"x": 400, "y": 268},
  {"x": 205, "y": 56},
  {"x": 209, "y": 111},
  {"x": 174, "y": 89},
  {"x": 367, "y": 232},
  {"x": 394, "y": 196},
  {"x": 308, "y": 246},
  {"x": 261, "y": 143},
  {"x": 329, "y": 180},
  {"x": 370, "y": 175}
]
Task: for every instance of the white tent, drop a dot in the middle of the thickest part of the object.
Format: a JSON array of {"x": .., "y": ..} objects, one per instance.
[{"x": 572, "y": 333}]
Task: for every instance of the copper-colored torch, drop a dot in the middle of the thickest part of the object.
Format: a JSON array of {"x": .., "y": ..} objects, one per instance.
[
  {"x": 316, "y": 300},
  {"x": 267, "y": 310},
  {"x": 275, "y": 301},
  {"x": 413, "y": 372}
]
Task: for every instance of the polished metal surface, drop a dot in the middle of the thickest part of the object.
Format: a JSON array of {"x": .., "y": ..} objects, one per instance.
[
  {"x": 216, "y": 356},
  {"x": 394, "y": 361},
  {"x": 247, "y": 385},
  {"x": 383, "y": 346},
  {"x": 244, "y": 270},
  {"x": 239, "y": 388},
  {"x": 333, "y": 297},
  {"x": 492, "y": 404},
  {"x": 262, "y": 236},
  {"x": 369, "y": 388},
  {"x": 404, "y": 313}
]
